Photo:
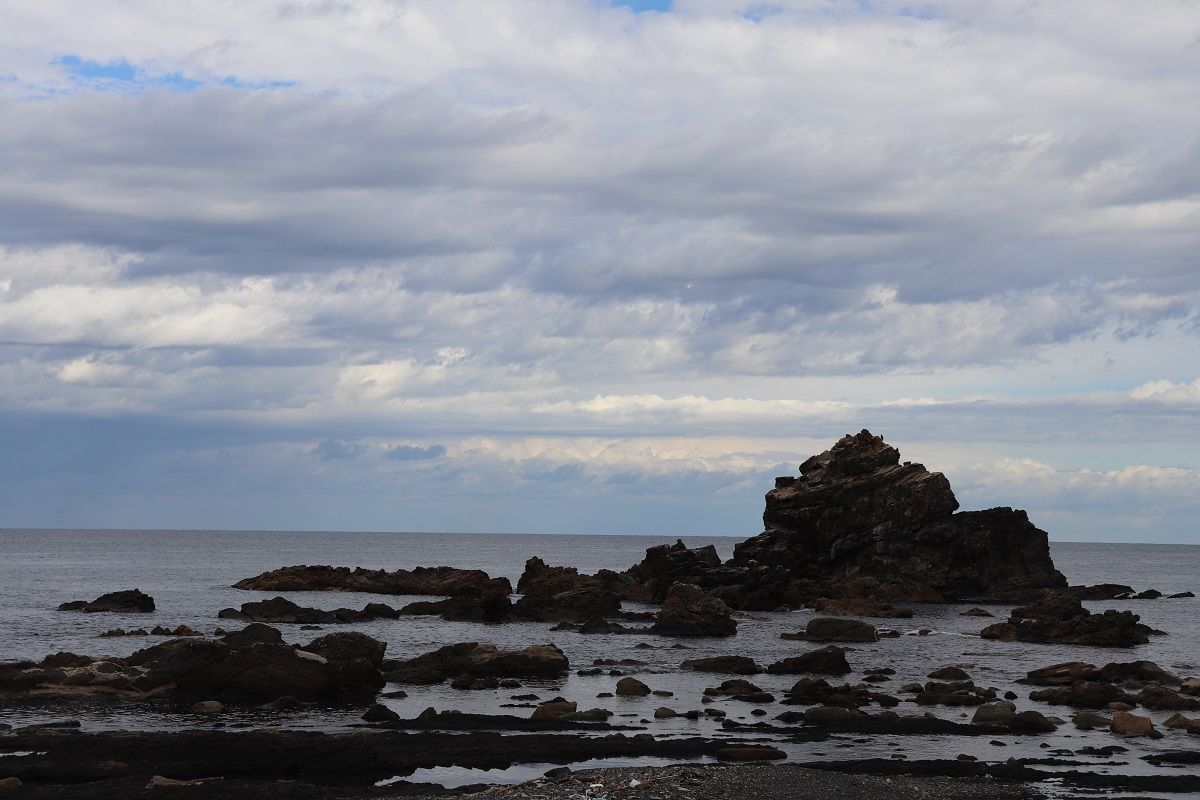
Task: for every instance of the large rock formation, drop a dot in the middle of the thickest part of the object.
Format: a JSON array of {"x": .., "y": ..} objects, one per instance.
[
  {"x": 446, "y": 581},
  {"x": 858, "y": 522}
]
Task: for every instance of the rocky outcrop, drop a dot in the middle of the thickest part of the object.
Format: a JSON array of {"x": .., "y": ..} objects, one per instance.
[
  {"x": 128, "y": 601},
  {"x": 858, "y": 522},
  {"x": 282, "y": 610},
  {"x": 480, "y": 660},
  {"x": 687, "y": 611},
  {"x": 254, "y": 668},
  {"x": 445, "y": 581},
  {"x": 665, "y": 565},
  {"x": 1061, "y": 619}
]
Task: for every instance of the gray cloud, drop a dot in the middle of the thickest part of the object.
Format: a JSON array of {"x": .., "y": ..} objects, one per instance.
[{"x": 408, "y": 452}]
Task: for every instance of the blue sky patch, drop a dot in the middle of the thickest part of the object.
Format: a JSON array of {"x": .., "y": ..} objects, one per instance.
[
  {"x": 645, "y": 5},
  {"x": 119, "y": 75}
]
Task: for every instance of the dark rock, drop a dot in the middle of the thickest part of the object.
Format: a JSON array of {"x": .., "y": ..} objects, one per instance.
[
  {"x": 1083, "y": 694},
  {"x": 631, "y": 687},
  {"x": 1159, "y": 698},
  {"x": 347, "y": 646},
  {"x": 833, "y": 629},
  {"x": 857, "y": 522},
  {"x": 734, "y": 687},
  {"x": 662, "y": 567},
  {"x": 734, "y": 665},
  {"x": 1181, "y": 595},
  {"x": 481, "y": 660},
  {"x": 861, "y": 607},
  {"x": 824, "y": 661},
  {"x": 1138, "y": 672},
  {"x": 687, "y": 611},
  {"x": 1100, "y": 591},
  {"x": 128, "y": 601},
  {"x": 282, "y": 610},
  {"x": 949, "y": 674},
  {"x": 380, "y": 713},
  {"x": 976, "y": 612},
  {"x": 749, "y": 753},
  {"x": 445, "y": 581},
  {"x": 1061, "y": 619},
  {"x": 583, "y": 604},
  {"x": 1062, "y": 674},
  {"x": 810, "y": 691},
  {"x": 463, "y": 608},
  {"x": 254, "y": 633}
]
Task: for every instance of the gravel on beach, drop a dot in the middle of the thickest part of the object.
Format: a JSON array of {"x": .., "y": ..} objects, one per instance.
[{"x": 738, "y": 782}]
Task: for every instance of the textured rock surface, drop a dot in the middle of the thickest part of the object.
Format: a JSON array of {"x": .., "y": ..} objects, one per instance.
[
  {"x": 447, "y": 581},
  {"x": 858, "y": 522}
]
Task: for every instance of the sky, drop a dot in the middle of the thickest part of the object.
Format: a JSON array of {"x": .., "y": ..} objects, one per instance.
[{"x": 580, "y": 266}]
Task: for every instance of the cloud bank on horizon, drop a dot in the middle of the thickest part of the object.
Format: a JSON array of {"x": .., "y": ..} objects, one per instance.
[{"x": 596, "y": 267}]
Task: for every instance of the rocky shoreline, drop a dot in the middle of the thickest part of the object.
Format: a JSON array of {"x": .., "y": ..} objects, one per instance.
[{"x": 864, "y": 541}]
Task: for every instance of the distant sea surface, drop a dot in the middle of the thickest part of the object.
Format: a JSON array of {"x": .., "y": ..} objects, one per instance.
[{"x": 189, "y": 574}]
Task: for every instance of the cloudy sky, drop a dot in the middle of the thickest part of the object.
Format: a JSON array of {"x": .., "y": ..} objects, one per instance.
[{"x": 579, "y": 266}]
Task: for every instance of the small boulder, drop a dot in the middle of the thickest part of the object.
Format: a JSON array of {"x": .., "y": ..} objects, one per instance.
[
  {"x": 1001, "y": 712},
  {"x": 1128, "y": 724},
  {"x": 949, "y": 674},
  {"x": 632, "y": 687},
  {"x": 554, "y": 709},
  {"x": 733, "y": 665},
  {"x": 828, "y": 660},
  {"x": 380, "y": 713}
]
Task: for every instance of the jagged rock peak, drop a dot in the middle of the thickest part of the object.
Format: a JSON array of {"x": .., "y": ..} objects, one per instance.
[{"x": 854, "y": 454}]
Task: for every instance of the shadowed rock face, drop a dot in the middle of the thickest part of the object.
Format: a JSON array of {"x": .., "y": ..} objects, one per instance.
[{"x": 858, "y": 522}]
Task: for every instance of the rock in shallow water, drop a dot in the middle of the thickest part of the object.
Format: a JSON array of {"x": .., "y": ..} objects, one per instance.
[{"x": 128, "y": 601}]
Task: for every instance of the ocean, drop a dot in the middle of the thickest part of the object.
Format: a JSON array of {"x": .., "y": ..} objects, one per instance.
[{"x": 189, "y": 574}]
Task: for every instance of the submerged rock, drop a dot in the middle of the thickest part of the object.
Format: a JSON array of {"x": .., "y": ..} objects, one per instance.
[{"x": 128, "y": 601}]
